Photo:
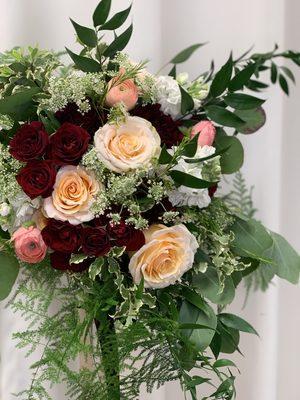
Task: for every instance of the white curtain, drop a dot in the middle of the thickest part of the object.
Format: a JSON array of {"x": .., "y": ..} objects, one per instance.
[{"x": 269, "y": 370}]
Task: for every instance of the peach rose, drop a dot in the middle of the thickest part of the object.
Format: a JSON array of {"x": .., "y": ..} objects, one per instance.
[
  {"x": 207, "y": 133},
  {"x": 29, "y": 245},
  {"x": 125, "y": 92},
  {"x": 72, "y": 196},
  {"x": 166, "y": 256},
  {"x": 129, "y": 146}
]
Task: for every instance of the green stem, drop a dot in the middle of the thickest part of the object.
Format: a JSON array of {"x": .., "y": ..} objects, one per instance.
[{"x": 110, "y": 355}]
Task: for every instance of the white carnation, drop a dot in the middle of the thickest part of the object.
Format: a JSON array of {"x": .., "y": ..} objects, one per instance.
[
  {"x": 186, "y": 196},
  {"x": 24, "y": 208},
  {"x": 169, "y": 96}
]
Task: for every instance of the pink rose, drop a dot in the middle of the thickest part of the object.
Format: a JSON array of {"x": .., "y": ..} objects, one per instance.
[
  {"x": 207, "y": 133},
  {"x": 122, "y": 91},
  {"x": 29, "y": 245}
]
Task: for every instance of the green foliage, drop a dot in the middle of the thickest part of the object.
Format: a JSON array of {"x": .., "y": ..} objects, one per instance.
[
  {"x": 185, "y": 54},
  {"x": 221, "y": 79},
  {"x": 9, "y": 270},
  {"x": 254, "y": 120},
  {"x": 85, "y": 64},
  {"x": 181, "y": 178},
  {"x": 187, "y": 102},
  {"x": 233, "y": 158},
  {"x": 117, "y": 20},
  {"x": 241, "y": 101},
  {"x": 101, "y": 12}
]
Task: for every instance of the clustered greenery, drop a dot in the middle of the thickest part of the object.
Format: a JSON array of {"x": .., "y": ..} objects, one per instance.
[{"x": 127, "y": 336}]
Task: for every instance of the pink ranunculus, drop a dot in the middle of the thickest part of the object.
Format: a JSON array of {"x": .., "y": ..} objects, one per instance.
[
  {"x": 122, "y": 91},
  {"x": 207, "y": 133},
  {"x": 29, "y": 245}
]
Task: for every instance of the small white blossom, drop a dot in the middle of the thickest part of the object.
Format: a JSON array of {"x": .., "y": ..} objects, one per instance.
[{"x": 5, "y": 209}]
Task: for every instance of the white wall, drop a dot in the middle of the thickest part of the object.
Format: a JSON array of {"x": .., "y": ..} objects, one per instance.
[{"x": 162, "y": 28}]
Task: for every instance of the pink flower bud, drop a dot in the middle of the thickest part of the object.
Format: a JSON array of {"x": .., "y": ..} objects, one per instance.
[{"x": 207, "y": 133}]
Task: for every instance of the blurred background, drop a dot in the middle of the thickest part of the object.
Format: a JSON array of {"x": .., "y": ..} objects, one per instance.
[{"x": 269, "y": 368}]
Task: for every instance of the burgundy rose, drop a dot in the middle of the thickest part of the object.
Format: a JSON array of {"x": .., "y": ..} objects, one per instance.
[
  {"x": 37, "y": 178},
  {"x": 95, "y": 241},
  {"x": 126, "y": 235},
  {"x": 30, "y": 142},
  {"x": 212, "y": 190},
  {"x": 89, "y": 121},
  {"x": 167, "y": 128},
  {"x": 154, "y": 215},
  {"x": 61, "y": 261},
  {"x": 61, "y": 236},
  {"x": 68, "y": 144}
]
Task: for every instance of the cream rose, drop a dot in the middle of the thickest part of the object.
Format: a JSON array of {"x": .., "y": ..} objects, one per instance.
[
  {"x": 166, "y": 256},
  {"x": 72, "y": 197},
  {"x": 129, "y": 146}
]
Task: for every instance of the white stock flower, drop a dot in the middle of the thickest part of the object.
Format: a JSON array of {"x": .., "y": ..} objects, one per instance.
[
  {"x": 167, "y": 254},
  {"x": 168, "y": 96},
  {"x": 186, "y": 196}
]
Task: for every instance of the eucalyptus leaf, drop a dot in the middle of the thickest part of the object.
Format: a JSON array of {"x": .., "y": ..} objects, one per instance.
[
  {"x": 189, "y": 314},
  {"x": 117, "y": 20},
  {"x": 86, "y": 35},
  {"x": 185, "y": 54},
  {"x": 85, "y": 64},
  {"x": 233, "y": 158},
  {"x": 101, "y": 12},
  {"x": 9, "y": 270},
  {"x": 254, "y": 120}
]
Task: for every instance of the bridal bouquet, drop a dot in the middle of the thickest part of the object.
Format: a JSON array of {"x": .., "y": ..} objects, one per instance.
[{"x": 109, "y": 206}]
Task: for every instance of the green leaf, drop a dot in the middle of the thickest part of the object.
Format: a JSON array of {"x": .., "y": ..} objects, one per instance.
[
  {"x": 229, "y": 339},
  {"x": 165, "y": 157},
  {"x": 208, "y": 285},
  {"x": 254, "y": 120},
  {"x": 235, "y": 322},
  {"x": 216, "y": 154},
  {"x": 185, "y": 54},
  {"x": 285, "y": 260},
  {"x": 223, "y": 117},
  {"x": 274, "y": 73},
  {"x": 117, "y": 20},
  {"x": 20, "y": 105},
  {"x": 86, "y": 35},
  {"x": 242, "y": 78},
  {"x": 233, "y": 158},
  {"x": 222, "y": 79},
  {"x": 173, "y": 72},
  {"x": 9, "y": 270},
  {"x": 181, "y": 178},
  {"x": 195, "y": 299},
  {"x": 242, "y": 101},
  {"x": 190, "y": 314},
  {"x": 283, "y": 84},
  {"x": 256, "y": 85},
  {"x": 289, "y": 73},
  {"x": 78, "y": 258},
  {"x": 191, "y": 147},
  {"x": 101, "y": 12},
  {"x": 119, "y": 43},
  {"x": 96, "y": 267},
  {"x": 251, "y": 239},
  {"x": 85, "y": 64},
  {"x": 18, "y": 67},
  {"x": 187, "y": 102},
  {"x": 196, "y": 380},
  {"x": 224, "y": 363}
]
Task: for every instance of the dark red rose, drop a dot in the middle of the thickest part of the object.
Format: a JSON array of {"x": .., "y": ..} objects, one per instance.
[
  {"x": 68, "y": 144},
  {"x": 61, "y": 261},
  {"x": 167, "y": 128},
  {"x": 37, "y": 178},
  {"x": 90, "y": 121},
  {"x": 30, "y": 142},
  {"x": 61, "y": 236},
  {"x": 126, "y": 235},
  {"x": 95, "y": 241},
  {"x": 212, "y": 190},
  {"x": 155, "y": 214}
]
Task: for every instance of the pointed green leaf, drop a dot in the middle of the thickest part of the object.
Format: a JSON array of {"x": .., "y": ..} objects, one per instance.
[
  {"x": 181, "y": 178},
  {"x": 242, "y": 101},
  {"x": 222, "y": 79},
  {"x": 242, "y": 78},
  {"x": 165, "y": 157},
  {"x": 283, "y": 84},
  {"x": 223, "y": 117},
  {"x": 119, "y": 43},
  {"x": 85, "y": 64},
  {"x": 117, "y": 20},
  {"x": 19, "y": 106},
  {"x": 9, "y": 270},
  {"x": 235, "y": 322},
  {"x": 86, "y": 35},
  {"x": 185, "y": 54},
  {"x": 274, "y": 73},
  {"x": 187, "y": 102},
  {"x": 289, "y": 73},
  {"x": 101, "y": 12}
]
